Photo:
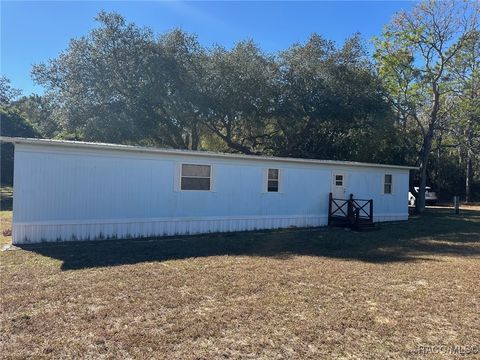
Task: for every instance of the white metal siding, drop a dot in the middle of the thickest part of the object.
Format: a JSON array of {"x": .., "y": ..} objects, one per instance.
[{"x": 67, "y": 193}]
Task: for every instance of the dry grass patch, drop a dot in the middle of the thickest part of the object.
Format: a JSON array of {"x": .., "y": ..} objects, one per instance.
[
  {"x": 5, "y": 228},
  {"x": 282, "y": 294},
  {"x": 6, "y": 196}
]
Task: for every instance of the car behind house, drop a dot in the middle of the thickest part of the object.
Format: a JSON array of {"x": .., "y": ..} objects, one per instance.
[{"x": 430, "y": 196}]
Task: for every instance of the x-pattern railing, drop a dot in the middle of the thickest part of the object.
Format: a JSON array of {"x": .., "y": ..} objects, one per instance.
[
  {"x": 361, "y": 208},
  {"x": 351, "y": 209},
  {"x": 339, "y": 207}
]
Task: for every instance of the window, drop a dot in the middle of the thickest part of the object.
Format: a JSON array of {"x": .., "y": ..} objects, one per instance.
[
  {"x": 273, "y": 180},
  {"x": 338, "y": 180},
  {"x": 388, "y": 184},
  {"x": 195, "y": 177}
]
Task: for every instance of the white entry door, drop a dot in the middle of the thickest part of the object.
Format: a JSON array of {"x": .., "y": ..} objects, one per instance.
[{"x": 338, "y": 185}]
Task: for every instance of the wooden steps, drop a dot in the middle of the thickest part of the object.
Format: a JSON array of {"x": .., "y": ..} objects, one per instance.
[
  {"x": 356, "y": 214},
  {"x": 364, "y": 225},
  {"x": 361, "y": 225}
]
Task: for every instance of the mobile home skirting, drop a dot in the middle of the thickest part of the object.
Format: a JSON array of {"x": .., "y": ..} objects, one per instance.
[{"x": 27, "y": 233}]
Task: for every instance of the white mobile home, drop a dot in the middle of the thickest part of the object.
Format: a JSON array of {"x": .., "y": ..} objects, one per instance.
[{"x": 66, "y": 190}]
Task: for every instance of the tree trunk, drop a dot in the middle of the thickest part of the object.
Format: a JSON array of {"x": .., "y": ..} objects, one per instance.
[
  {"x": 438, "y": 169},
  {"x": 469, "y": 172},
  {"x": 229, "y": 141},
  {"x": 427, "y": 148},
  {"x": 468, "y": 180},
  {"x": 195, "y": 137}
]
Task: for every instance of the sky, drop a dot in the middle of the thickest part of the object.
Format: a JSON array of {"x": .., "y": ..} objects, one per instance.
[{"x": 33, "y": 32}]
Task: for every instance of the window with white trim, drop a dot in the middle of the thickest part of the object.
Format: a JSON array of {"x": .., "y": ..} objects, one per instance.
[
  {"x": 273, "y": 180},
  {"x": 388, "y": 184},
  {"x": 195, "y": 177}
]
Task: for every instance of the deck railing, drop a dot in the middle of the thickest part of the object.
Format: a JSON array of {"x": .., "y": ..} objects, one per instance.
[{"x": 352, "y": 210}]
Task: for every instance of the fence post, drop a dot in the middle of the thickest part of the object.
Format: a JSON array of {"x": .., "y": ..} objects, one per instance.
[
  {"x": 371, "y": 210},
  {"x": 350, "y": 207},
  {"x": 456, "y": 204},
  {"x": 329, "y": 208}
]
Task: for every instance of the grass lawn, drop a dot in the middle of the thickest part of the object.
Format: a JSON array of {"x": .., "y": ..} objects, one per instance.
[
  {"x": 5, "y": 227},
  {"x": 281, "y": 294}
]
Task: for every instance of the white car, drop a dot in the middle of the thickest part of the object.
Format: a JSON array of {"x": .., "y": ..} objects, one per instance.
[{"x": 430, "y": 196}]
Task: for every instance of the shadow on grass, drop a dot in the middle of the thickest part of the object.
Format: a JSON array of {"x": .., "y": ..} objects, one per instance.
[{"x": 435, "y": 232}]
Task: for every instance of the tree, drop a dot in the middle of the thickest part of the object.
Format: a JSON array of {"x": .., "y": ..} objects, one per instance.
[
  {"x": 330, "y": 104},
  {"x": 13, "y": 124},
  {"x": 121, "y": 84},
  {"x": 41, "y": 113},
  {"x": 237, "y": 96},
  {"x": 7, "y": 92},
  {"x": 465, "y": 104},
  {"x": 420, "y": 45},
  {"x": 186, "y": 59}
]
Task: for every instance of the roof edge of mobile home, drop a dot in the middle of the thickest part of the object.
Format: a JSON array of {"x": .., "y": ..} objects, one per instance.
[{"x": 144, "y": 149}]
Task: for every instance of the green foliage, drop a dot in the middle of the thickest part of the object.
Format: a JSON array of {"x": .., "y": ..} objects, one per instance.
[
  {"x": 40, "y": 112},
  {"x": 15, "y": 124},
  {"x": 238, "y": 94},
  {"x": 7, "y": 92},
  {"x": 331, "y": 103},
  {"x": 12, "y": 124},
  {"x": 122, "y": 84}
]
